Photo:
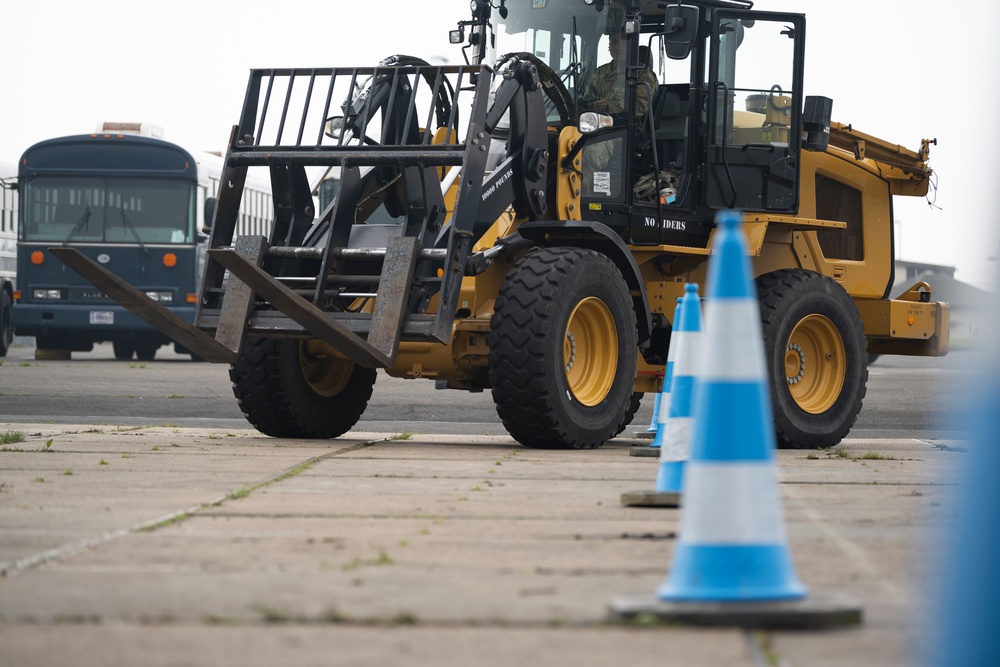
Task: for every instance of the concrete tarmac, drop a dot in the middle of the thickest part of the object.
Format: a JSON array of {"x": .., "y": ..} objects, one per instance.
[{"x": 149, "y": 546}]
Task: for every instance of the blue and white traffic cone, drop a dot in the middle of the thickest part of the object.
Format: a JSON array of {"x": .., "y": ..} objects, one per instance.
[
  {"x": 732, "y": 543},
  {"x": 662, "y": 406},
  {"x": 731, "y": 565},
  {"x": 653, "y": 423},
  {"x": 663, "y": 409},
  {"x": 675, "y": 430}
]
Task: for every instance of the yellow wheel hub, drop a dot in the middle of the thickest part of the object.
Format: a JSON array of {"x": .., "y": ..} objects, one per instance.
[
  {"x": 815, "y": 364},
  {"x": 590, "y": 351},
  {"x": 326, "y": 374}
]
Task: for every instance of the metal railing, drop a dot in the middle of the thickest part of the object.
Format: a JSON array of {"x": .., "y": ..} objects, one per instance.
[{"x": 356, "y": 116}]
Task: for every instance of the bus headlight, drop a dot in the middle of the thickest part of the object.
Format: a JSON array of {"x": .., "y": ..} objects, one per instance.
[
  {"x": 162, "y": 297},
  {"x": 40, "y": 294}
]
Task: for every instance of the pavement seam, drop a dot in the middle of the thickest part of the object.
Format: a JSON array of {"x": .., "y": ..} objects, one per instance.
[{"x": 11, "y": 569}]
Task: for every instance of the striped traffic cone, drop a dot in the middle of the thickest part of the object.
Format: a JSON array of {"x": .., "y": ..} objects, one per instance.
[
  {"x": 656, "y": 411},
  {"x": 675, "y": 430},
  {"x": 673, "y": 438},
  {"x": 732, "y": 546},
  {"x": 662, "y": 407}
]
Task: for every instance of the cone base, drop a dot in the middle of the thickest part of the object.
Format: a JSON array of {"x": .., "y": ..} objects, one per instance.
[
  {"x": 812, "y": 613},
  {"x": 645, "y": 450},
  {"x": 651, "y": 499}
]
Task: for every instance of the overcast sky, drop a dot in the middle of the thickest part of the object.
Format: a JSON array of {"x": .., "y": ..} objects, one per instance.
[{"x": 899, "y": 69}]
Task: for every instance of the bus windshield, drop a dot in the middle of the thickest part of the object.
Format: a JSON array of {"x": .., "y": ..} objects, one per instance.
[{"x": 84, "y": 209}]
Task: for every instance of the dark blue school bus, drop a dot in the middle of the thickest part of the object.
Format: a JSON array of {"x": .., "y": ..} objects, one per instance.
[{"x": 135, "y": 204}]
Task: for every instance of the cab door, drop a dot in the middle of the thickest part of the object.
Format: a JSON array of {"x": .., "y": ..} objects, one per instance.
[{"x": 754, "y": 111}]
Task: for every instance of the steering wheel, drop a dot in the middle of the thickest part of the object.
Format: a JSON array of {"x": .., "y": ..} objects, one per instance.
[
  {"x": 552, "y": 85},
  {"x": 361, "y": 96}
]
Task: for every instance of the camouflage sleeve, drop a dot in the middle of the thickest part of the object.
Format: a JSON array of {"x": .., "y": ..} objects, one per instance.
[{"x": 643, "y": 93}]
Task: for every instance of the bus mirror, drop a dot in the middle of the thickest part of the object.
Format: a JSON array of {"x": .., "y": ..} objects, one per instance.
[
  {"x": 210, "y": 205},
  {"x": 680, "y": 31}
]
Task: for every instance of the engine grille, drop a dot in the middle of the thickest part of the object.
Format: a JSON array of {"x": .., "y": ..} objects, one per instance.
[{"x": 836, "y": 201}]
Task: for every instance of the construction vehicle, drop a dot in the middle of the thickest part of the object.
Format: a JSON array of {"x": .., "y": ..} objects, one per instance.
[{"x": 502, "y": 226}]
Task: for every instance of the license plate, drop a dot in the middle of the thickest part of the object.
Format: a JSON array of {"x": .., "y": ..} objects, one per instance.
[{"x": 102, "y": 317}]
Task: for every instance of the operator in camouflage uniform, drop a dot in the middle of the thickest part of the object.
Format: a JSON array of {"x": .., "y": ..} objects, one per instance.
[{"x": 608, "y": 86}]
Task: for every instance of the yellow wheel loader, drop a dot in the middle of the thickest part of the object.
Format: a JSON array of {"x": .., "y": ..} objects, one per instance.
[{"x": 525, "y": 222}]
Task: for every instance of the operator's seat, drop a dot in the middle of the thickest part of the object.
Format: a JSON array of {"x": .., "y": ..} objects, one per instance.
[
  {"x": 645, "y": 56},
  {"x": 670, "y": 121}
]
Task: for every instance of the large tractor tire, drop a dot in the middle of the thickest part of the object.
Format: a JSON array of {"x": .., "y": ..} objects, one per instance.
[
  {"x": 294, "y": 389},
  {"x": 633, "y": 407},
  {"x": 816, "y": 356},
  {"x": 563, "y": 347}
]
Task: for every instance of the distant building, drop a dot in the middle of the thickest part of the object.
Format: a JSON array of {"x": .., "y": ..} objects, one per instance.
[{"x": 968, "y": 303}]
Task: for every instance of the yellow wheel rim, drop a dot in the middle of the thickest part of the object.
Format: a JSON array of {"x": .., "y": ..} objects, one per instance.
[
  {"x": 590, "y": 351},
  {"x": 815, "y": 364},
  {"x": 326, "y": 374}
]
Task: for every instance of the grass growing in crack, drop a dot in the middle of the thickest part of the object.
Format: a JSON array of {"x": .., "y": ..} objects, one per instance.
[
  {"x": 240, "y": 493},
  {"x": 405, "y": 435},
  {"x": 166, "y": 523},
  {"x": 876, "y": 456},
  {"x": 247, "y": 490},
  {"x": 102, "y": 462},
  {"x": 11, "y": 437},
  {"x": 357, "y": 562},
  {"x": 332, "y": 616},
  {"x": 271, "y": 614},
  {"x": 401, "y": 618}
]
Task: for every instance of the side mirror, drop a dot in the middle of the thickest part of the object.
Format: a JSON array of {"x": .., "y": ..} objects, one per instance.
[
  {"x": 681, "y": 30},
  {"x": 210, "y": 205},
  {"x": 816, "y": 123}
]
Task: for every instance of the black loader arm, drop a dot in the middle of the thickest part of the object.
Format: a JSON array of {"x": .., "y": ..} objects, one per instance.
[{"x": 520, "y": 180}]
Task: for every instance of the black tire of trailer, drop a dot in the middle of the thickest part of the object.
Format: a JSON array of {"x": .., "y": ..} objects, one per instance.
[
  {"x": 123, "y": 348},
  {"x": 556, "y": 304},
  {"x": 816, "y": 357},
  {"x": 6, "y": 324},
  {"x": 278, "y": 399},
  {"x": 145, "y": 348}
]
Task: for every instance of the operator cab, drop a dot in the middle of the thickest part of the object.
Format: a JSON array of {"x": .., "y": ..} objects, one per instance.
[{"x": 695, "y": 105}]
